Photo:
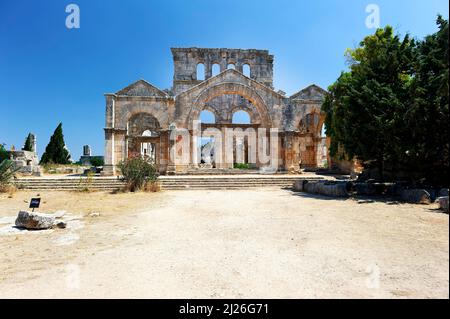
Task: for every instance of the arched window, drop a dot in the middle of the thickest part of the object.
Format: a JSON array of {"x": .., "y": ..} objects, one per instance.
[
  {"x": 140, "y": 123},
  {"x": 231, "y": 66},
  {"x": 148, "y": 133},
  {"x": 246, "y": 70},
  {"x": 323, "y": 131},
  {"x": 241, "y": 117},
  {"x": 200, "y": 72},
  {"x": 207, "y": 117},
  {"x": 215, "y": 69}
]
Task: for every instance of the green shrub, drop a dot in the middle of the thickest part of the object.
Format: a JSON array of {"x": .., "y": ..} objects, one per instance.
[
  {"x": 3, "y": 153},
  {"x": 56, "y": 151},
  {"x": 137, "y": 172},
  {"x": 97, "y": 161},
  {"x": 241, "y": 166},
  {"x": 85, "y": 184},
  {"x": 7, "y": 171}
]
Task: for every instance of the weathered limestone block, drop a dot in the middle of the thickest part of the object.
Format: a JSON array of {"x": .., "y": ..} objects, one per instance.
[
  {"x": 365, "y": 189},
  {"x": 31, "y": 220},
  {"x": 324, "y": 188},
  {"x": 416, "y": 196},
  {"x": 443, "y": 192},
  {"x": 443, "y": 203},
  {"x": 298, "y": 185},
  {"x": 37, "y": 221}
]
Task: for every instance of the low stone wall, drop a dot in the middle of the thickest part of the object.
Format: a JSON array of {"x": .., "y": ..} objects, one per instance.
[
  {"x": 327, "y": 188},
  {"x": 400, "y": 191}
]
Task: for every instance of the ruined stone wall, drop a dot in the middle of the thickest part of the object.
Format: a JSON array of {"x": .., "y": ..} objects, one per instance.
[
  {"x": 298, "y": 118},
  {"x": 186, "y": 60}
]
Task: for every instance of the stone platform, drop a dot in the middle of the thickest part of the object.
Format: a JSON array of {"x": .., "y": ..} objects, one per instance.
[{"x": 65, "y": 183}]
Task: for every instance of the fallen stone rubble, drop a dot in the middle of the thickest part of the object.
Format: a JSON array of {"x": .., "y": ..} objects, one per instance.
[
  {"x": 39, "y": 221},
  {"x": 401, "y": 191}
]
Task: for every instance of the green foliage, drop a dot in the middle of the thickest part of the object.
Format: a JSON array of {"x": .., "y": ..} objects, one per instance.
[
  {"x": 3, "y": 153},
  {"x": 97, "y": 161},
  {"x": 138, "y": 171},
  {"x": 390, "y": 110},
  {"x": 85, "y": 184},
  {"x": 28, "y": 145},
  {"x": 428, "y": 116},
  {"x": 7, "y": 171},
  {"x": 241, "y": 166},
  {"x": 56, "y": 151}
]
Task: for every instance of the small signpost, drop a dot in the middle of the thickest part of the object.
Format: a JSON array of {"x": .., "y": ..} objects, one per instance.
[{"x": 34, "y": 203}]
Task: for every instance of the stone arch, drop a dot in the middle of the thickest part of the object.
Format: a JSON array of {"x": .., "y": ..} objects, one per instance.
[
  {"x": 312, "y": 122},
  {"x": 246, "y": 70},
  {"x": 141, "y": 122},
  {"x": 252, "y": 112},
  {"x": 215, "y": 68},
  {"x": 241, "y": 111},
  {"x": 247, "y": 92},
  {"x": 213, "y": 111},
  {"x": 159, "y": 111},
  {"x": 200, "y": 71}
]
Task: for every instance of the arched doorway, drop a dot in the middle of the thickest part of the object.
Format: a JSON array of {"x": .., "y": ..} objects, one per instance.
[
  {"x": 144, "y": 137},
  {"x": 226, "y": 99},
  {"x": 206, "y": 143}
]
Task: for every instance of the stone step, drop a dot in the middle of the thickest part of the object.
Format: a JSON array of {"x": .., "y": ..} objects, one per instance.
[{"x": 167, "y": 183}]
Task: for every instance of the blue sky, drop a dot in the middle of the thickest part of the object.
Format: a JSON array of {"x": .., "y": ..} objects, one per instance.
[{"x": 50, "y": 74}]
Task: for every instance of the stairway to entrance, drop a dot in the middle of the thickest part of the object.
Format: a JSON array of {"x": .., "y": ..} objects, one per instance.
[{"x": 201, "y": 182}]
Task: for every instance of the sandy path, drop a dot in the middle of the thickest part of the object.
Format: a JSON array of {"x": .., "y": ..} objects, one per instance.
[{"x": 244, "y": 244}]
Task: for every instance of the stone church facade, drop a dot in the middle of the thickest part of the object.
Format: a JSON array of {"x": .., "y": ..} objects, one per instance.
[{"x": 141, "y": 117}]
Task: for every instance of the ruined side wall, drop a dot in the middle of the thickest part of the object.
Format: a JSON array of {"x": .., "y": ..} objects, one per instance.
[{"x": 186, "y": 60}]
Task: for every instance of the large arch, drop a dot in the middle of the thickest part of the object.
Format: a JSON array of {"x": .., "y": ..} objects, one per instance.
[
  {"x": 157, "y": 110},
  {"x": 252, "y": 112},
  {"x": 143, "y": 137},
  {"x": 141, "y": 122},
  {"x": 264, "y": 118}
]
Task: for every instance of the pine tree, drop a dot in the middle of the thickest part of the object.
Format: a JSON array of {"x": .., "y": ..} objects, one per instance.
[
  {"x": 3, "y": 153},
  {"x": 28, "y": 146},
  {"x": 391, "y": 109},
  {"x": 56, "y": 151}
]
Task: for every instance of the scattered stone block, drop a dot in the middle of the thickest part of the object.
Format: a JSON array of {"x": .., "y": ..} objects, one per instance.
[
  {"x": 298, "y": 185},
  {"x": 416, "y": 196},
  {"x": 31, "y": 220},
  {"x": 61, "y": 224},
  {"x": 443, "y": 203},
  {"x": 366, "y": 201},
  {"x": 40, "y": 221},
  {"x": 443, "y": 192},
  {"x": 326, "y": 188},
  {"x": 366, "y": 189}
]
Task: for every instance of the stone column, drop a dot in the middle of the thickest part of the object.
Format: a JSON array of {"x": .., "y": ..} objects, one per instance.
[
  {"x": 208, "y": 70},
  {"x": 109, "y": 167},
  {"x": 171, "y": 161},
  {"x": 227, "y": 152},
  {"x": 239, "y": 67},
  {"x": 223, "y": 65}
]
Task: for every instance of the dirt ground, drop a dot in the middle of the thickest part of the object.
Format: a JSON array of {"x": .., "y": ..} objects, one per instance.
[{"x": 266, "y": 243}]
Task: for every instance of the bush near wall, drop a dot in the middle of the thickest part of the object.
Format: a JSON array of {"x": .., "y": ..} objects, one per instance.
[{"x": 138, "y": 173}]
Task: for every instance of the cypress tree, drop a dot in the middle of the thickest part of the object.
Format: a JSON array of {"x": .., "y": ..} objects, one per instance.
[
  {"x": 28, "y": 147},
  {"x": 56, "y": 151},
  {"x": 3, "y": 153}
]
